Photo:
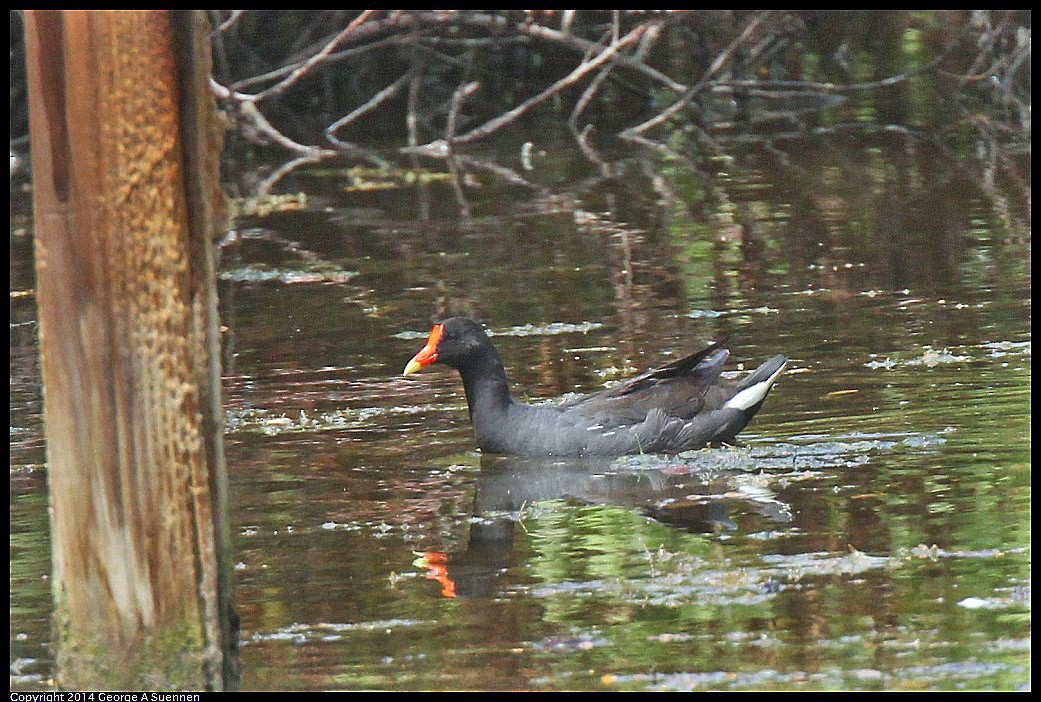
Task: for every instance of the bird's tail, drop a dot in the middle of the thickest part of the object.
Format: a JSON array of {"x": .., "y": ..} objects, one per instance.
[{"x": 753, "y": 390}]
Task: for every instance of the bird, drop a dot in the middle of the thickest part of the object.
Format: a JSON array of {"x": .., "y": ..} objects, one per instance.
[{"x": 682, "y": 406}]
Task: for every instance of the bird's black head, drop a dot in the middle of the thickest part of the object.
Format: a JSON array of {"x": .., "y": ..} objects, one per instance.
[{"x": 456, "y": 342}]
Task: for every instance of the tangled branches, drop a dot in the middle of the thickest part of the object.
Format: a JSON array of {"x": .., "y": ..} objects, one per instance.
[{"x": 431, "y": 81}]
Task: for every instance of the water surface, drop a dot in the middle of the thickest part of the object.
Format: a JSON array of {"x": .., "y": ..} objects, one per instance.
[{"x": 870, "y": 532}]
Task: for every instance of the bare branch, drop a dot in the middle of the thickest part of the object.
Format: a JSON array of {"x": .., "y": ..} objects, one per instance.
[
  {"x": 721, "y": 60},
  {"x": 253, "y": 116},
  {"x": 264, "y": 188},
  {"x": 332, "y": 58},
  {"x": 411, "y": 116},
  {"x": 461, "y": 93},
  {"x": 501, "y": 26},
  {"x": 315, "y": 60},
  {"x": 570, "y": 79},
  {"x": 224, "y": 26},
  {"x": 377, "y": 99}
]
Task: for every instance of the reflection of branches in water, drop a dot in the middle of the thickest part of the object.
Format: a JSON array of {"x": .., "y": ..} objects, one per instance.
[
  {"x": 994, "y": 79},
  {"x": 317, "y": 269}
]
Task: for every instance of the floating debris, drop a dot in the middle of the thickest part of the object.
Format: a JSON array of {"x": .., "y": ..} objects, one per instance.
[
  {"x": 712, "y": 314},
  {"x": 549, "y": 329},
  {"x": 263, "y": 274},
  {"x": 999, "y": 349},
  {"x": 265, "y": 422},
  {"x": 302, "y": 633},
  {"x": 266, "y": 205},
  {"x": 932, "y": 358},
  {"x": 525, "y": 330}
]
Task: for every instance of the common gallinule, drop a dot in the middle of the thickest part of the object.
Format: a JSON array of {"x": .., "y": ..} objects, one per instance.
[{"x": 683, "y": 405}]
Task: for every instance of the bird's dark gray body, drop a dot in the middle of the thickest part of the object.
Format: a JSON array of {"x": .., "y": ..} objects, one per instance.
[{"x": 683, "y": 405}]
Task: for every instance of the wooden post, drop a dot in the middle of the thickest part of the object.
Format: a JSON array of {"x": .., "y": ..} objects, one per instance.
[{"x": 126, "y": 203}]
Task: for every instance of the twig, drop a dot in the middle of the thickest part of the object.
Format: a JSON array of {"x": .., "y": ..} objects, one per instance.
[
  {"x": 411, "y": 115},
  {"x": 510, "y": 116},
  {"x": 461, "y": 93},
  {"x": 803, "y": 85},
  {"x": 220, "y": 55},
  {"x": 499, "y": 26},
  {"x": 721, "y": 60},
  {"x": 587, "y": 95},
  {"x": 582, "y": 139},
  {"x": 541, "y": 32},
  {"x": 506, "y": 174},
  {"x": 457, "y": 187},
  {"x": 376, "y": 100},
  {"x": 567, "y": 17},
  {"x": 1015, "y": 58},
  {"x": 837, "y": 129},
  {"x": 264, "y": 188},
  {"x": 224, "y": 26},
  {"x": 315, "y": 60},
  {"x": 986, "y": 43},
  {"x": 277, "y": 73},
  {"x": 253, "y": 116}
]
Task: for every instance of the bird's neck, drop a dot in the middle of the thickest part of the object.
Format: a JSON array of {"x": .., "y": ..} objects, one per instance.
[{"x": 487, "y": 390}]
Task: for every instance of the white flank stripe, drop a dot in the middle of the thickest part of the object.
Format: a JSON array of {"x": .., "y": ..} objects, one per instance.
[{"x": 751, "y": 396}]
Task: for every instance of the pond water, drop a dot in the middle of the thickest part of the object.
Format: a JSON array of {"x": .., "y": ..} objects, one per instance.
[{"x": 870, "y": 531}]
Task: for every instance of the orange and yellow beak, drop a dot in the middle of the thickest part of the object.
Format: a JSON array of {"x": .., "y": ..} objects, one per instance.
[{"x": 428, "y": 354}]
